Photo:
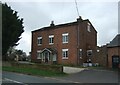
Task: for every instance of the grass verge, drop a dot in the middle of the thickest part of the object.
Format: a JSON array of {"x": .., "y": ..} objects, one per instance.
[{"x": 31, "y": 71}]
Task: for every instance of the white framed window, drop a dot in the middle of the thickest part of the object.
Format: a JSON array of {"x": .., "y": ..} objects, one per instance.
[
  {"x": 39, "y": 40},
  {"x": 39, "y": 54},
  {"x": 65, "y": 38},
  {"x": 51, "y": 39},
  {"x": 88, "y": 27},
  {"x": 89, "y": 53},
  {"x": 64, "y": 53}
]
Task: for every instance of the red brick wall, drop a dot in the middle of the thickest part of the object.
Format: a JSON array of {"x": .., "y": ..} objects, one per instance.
[
  {"x": 85, "y": 38},
  {"x": 88, "y": 40},
  {"x": 58, "y": 45},
  {"x": 112, "y": 51},
  {"x": 101, "y": 56}
]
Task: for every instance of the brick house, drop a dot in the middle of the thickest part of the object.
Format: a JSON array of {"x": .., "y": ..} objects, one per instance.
[
  {"x": 70, "y": 43},
  {"x": 114, "y": 52}
]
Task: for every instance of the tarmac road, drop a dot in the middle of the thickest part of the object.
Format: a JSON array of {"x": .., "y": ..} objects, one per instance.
[{"x": 86, "y": 76}]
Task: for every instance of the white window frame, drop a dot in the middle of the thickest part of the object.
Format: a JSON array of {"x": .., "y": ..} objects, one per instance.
[
  {"x": 39, "y": 57},
  {"x": 52, "y": 37},
  {"x": 38, "y": 42},
  {"x": 64, "y": 35},
  {"x": 88, "y": 27},
  {"x": 66, "y": 56},
  {"x": 89, "y": 51}
]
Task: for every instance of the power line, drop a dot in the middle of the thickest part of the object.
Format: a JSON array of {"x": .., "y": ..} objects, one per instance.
[{"x": 77, "y": 8}]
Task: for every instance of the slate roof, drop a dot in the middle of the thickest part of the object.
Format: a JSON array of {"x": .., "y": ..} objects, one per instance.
[
  {"x": 53, "y": 26},
  {"x": 115, "y": 42}
]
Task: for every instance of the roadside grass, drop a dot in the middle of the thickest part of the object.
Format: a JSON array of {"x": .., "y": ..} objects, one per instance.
[{"x": 31, "y": 71}]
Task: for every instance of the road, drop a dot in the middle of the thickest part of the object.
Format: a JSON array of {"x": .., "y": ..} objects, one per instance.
[
  {"x": 94, "y": 76},
  {"x": 10, "y": 77},
  {"x": 87, "y": 76}
]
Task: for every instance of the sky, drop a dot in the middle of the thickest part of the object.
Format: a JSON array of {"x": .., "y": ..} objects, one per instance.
[{"x": 37, "y": 14}]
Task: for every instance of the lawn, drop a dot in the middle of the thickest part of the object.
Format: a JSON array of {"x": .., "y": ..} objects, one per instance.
[{"x": 31, "y": 71}]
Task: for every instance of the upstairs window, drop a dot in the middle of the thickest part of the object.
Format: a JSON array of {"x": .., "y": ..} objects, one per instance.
[
  {"x": 64, "y": 53},
  {"x": 51, "y": 39},
  {"x": 65, "y": 38},
  {"x": 88, "y": 27},
  {"x": 39, "y": 40}
]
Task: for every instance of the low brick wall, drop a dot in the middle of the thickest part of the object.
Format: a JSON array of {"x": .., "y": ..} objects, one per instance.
[
  {"x": 6, "y": 63},
  {"x": 55, "y": 68}
]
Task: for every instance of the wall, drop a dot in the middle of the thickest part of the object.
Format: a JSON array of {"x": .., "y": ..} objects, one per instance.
[
  {"x": 112, "y": 51},
  {"x": 101, "y": 56},
  {"x": 58, "y": 45},
  {"x": 55, "y": 68},
  {"x": 87, "y": 41}
]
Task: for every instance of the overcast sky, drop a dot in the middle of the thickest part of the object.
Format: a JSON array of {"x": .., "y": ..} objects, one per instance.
[{"x": 103, "y": 15}]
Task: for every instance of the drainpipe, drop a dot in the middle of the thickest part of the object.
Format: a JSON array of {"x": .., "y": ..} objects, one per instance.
[
  {"x": 78, "y": 44},
  {"x": 78, "y": 39}
]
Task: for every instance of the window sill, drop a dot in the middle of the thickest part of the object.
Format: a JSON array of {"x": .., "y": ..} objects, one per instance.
[
  {"x": 51, "y": 43},
  {"x": 64, "y": 58},
  {"x": 65, "y": 42},
  {"x": 39, "y": 44}
]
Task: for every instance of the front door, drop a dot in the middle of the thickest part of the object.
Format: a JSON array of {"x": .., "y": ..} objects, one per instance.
[
  {"x": 46, "y": 56},
  {"x": 115, "y": 61}
]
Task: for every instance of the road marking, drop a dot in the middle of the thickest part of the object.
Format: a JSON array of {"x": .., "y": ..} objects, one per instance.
[
  {"x": 14, "y": 81},
  {"x": 61, "y": 79}
]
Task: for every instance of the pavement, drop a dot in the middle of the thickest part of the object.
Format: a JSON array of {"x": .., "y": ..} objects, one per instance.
[{"x": 85, "y": 76}]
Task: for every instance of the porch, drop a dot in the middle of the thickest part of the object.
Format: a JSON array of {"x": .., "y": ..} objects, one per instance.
[{"x": 47, "y": 56}]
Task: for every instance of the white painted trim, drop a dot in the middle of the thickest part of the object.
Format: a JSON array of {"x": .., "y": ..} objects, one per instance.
[
  {"x": 65, "y": 42},
  {"x": 39, "y": 51},
  {"x": 64, "y": 49},
  {"x": 51, "y": 43},
  {"x": 64, "y": 57},
  {"x": 65, "y": 34},
  {"x": 39, "y": 38},
  {"x": 46, "y": 49},
  {"x": 50, "y": 36}
]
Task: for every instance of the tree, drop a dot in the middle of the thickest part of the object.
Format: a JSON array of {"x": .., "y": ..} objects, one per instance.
[
  {"x": 16, "y": 53},
  {"x": 12, "y": 28}
]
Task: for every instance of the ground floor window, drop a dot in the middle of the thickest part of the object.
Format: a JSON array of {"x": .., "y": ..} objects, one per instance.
[
  {"x": 64, "y": 53},
  {"x": 39, "y": 55}
]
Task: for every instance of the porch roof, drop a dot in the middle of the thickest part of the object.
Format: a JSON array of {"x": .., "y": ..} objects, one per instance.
[{"x": 51, "y": 50}]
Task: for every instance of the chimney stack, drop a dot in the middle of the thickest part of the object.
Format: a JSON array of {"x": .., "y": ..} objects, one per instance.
[
  {"x": 79, "y": 19},
  {"x": 52, "y": 23}
]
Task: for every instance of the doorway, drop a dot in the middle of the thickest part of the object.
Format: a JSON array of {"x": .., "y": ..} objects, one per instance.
[
  {"x": 46, "y": 56},
  {"x": 115, "y": 61}
]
